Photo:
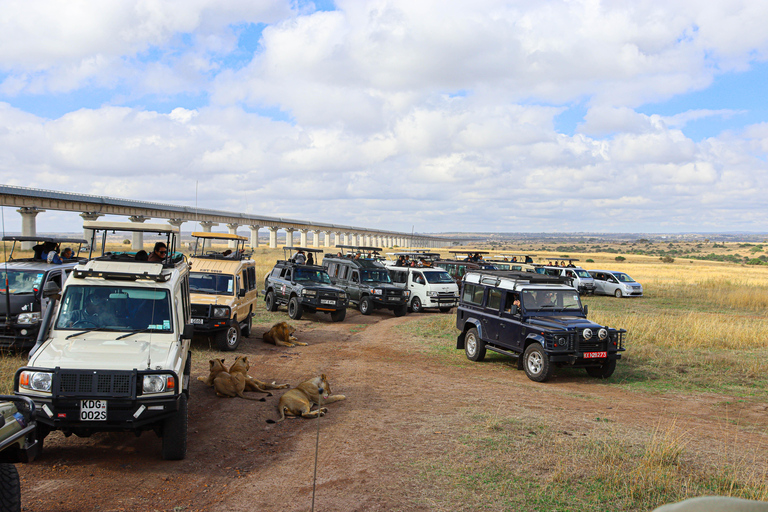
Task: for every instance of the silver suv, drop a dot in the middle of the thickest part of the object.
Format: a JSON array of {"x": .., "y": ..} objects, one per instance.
[{"x": 618, "y": 284}]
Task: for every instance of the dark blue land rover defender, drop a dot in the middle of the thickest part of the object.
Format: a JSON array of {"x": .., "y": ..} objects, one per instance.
[{"x": 538, "y": 319}]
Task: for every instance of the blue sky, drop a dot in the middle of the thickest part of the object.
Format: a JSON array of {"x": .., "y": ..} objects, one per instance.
[{"x": 637, "y": 116}]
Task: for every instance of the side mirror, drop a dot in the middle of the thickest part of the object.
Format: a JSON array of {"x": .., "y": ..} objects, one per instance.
[
  {"x": 188, "y": 332},
  {"x": 241, "y": 292},
  {"x": 51, "y": 290},
  {"x": 585, "y": 309}
]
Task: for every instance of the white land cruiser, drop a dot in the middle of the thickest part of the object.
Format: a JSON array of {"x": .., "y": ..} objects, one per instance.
[
  {"x": 114, "y": 352},
  {"x": 429, "y": 287}
]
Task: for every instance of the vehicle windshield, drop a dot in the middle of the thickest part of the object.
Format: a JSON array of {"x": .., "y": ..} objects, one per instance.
[
  {"x": 622, "y": 277},
  {"x": 375, "y": 276},
  {"x": 21, "y": 281},
  {"x": 487, "y": 266},
  {"x": 551, "y": 300},
  {"x": 438, "y": 277},
  {"x": 115, "y": 308},
  {"x": 315, "y": 276},
  {"x": 582, "y": 273},
  {"x": 215, "y": 284}
]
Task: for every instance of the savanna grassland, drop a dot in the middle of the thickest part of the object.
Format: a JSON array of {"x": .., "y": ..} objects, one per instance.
[{"x": 698, "y": 338}]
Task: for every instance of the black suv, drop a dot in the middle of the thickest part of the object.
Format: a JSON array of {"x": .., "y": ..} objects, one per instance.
[
  {"x": 366, "y": 281},
  {"x": 536, "y": 318},
  {"x": 23, "y": 297},
  {"x": 303, "y": 288}
]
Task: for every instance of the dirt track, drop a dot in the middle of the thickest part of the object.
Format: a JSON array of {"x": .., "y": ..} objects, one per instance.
[{"x": 401, "y": 406}]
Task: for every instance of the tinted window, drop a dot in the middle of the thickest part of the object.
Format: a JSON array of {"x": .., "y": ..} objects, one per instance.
[
  {"x": 315, "y": 276},
  {"x": 438, "y": 277},
  {"x": 494, "y": 299},
  {"x": 217, "y": 284},
  {"x": 473, "y": 294}
]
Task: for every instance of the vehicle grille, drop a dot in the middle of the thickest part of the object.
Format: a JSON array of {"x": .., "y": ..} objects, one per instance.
[
  {"x": 200, "y": 310},
  {"x": 394, "y": 293},
  {"x": 593, "y": 345},
  {"x": 446, "y": 295},
  {"x": 329, "y": 296},
  {"x": 94, "y": 383}
]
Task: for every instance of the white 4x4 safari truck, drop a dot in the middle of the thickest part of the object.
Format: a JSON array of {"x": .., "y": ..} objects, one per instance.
[{"x": 113, "y": 352}]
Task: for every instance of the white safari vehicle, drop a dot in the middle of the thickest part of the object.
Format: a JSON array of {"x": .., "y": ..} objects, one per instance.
[
  {"x": 429, "y": 287},
  {"x": 113, "y": 352}
]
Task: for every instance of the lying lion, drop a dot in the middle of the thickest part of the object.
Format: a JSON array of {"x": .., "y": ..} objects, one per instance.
[
  {"x": 241, "y": 365},
  {"x": 217, "y": 366},
  {"x": 282, "y": 334},
  {"x": 298, "y": 401},
  {"x": 226, "y": 384}
]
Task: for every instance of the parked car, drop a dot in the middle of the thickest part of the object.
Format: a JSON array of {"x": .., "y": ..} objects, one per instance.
[
  {"x": 428, "y": 287},
  {"x": 114, "y": 351},
  {"x": 456, "y": 269},
  {"x": 580, "y": 279},
  {"x": 18, "y": 443},
  {"x": 303, "y": 288},
  {"x": 618, "y": 284},
  {"x": 223, "y": 289},
  {"x": 548, "y": 328}
]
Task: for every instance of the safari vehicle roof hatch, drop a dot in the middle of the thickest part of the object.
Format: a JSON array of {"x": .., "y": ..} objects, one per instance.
[
  {"x": 201, "y": 237},
  {"x": 105, "y": 227},
  {"x": 126, "y": 272},
  {"x": 55, "y": 240},
  {"x": 469, "y": 252},
  {"x": 563, "y": 259},
  {"x": 370, "y": 252},
  {"x": 511, "y": 277},
  {"x": 287, "y": 250}
]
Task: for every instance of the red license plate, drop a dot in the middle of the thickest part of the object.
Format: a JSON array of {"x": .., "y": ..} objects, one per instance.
[{"x": 595, "y": 355}]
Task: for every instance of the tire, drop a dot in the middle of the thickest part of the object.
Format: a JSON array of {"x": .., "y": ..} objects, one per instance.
[
  {"x": 445, "y": 310},
  {"x": 617, "y": 293},
  {"x": 339, "y": 315},
  {"x": 366, "y": 305},
  {"x": 175, "y": 433},
  {"x": 10, "y": 489},
  {"x": 416, "y": 305},
  {"x": 603, "y": 371},
  {"x": 400, "y": 311},
  {"x": 269, "y": 301},
  {"x": 228, "y": 339},
  {"x": 246, "y": 331},
  {"x": 536, "y": 363},
  {"x": 474, "y": 347},
  {"x": 294, "y": 309}
]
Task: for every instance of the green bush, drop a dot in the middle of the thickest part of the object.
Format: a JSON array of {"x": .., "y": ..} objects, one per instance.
[
  {"x": 590, "y": 260},
  {"x": 126, "y": 242},
  {"x": 620, "y": 258},
  {"x": 667, "y": 259},
  {"x": 755, "y": 261}
]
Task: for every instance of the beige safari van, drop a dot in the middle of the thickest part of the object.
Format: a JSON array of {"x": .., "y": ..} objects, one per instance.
[{"x": 222, "y": 287}]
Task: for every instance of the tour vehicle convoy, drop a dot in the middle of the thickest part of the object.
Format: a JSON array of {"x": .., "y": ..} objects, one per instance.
[
  {"x": 456, "y": 268},
  {"x": 428, "y": 287},
  {"x": 18, "y": 443},
  {"x": 577, "y": 277},
  {"x": 303, "y": 288},
  {"x": 503, "y": 262},
  {"x": 536, "y": 318},
  {"x": 416, "y": 258},
  {"x": 23, "y": 296},
  {"x": 223, "y": 289},
  {"x": 365, "y": 281},
  {"x": 113, "y": 353},
  {"x": 618, "y": 284}
]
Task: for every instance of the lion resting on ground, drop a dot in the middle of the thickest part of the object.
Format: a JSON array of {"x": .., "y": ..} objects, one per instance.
[
  {"x": 226, "y": 384},
  {"x": 217, "y": 366},
  {"x": 282, "y": 334},
  {"x": 241, "y": 365},
  {"x": 298, "y": 401}
]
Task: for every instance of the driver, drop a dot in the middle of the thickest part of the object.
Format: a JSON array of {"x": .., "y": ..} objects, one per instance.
[
  {"x": 97, "y": 312},
  {"x": 549, "y": 299}
]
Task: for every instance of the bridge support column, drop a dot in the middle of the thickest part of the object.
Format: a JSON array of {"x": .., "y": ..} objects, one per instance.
[
  {"x": 254, "y": 241},
  {"x": 138, "y": 236},
  {"x": 207, "y": 225},
  {"x": 303, "y": 237},
  {"x": 344, "y": 239},
  {"x": 335, "y": 241},
  {"x": 177, "y": 224},
  {"x": 273, "y": 237},
  {"x": 88, "y": 233},
  {"x": 28, "y": 224},
  {"x": 289, "y": 236},
  {"x": 316, "y": 239},
  {"x": 232, "y": 231}
]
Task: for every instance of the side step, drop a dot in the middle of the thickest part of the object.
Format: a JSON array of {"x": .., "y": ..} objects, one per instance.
[{"x": 502, "y": 351}]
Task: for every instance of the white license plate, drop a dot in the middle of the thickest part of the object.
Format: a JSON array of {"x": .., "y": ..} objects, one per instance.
[
  {"x": 93, "y": 410},
  {"x": 327, "y": 301},
  {"x": 595, "y": 355},
  {"x": 197, "y": 320}
]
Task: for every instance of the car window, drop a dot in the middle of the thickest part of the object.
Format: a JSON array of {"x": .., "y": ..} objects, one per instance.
[
  {"x": 315, "y": 276},
  {"x": 418, "y": 278},
  {"x": 582, "y": 273},
  {"x": 438, "y": 277},
  {"x": 624, "y": 278},
  {"x": 355, "y": 277},
  {"x": 216, "y": 284},
  {"x": 494, "y": 299},
  {"x": 473, "y": 294}
]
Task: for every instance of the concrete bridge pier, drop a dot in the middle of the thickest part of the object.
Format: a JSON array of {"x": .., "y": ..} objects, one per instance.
[
  {"x": 232, "y": 231},
  {"x": 28, "y": 224},
  {"x": 138, "y": 236},
  {"x": 254, "y": 241},
  {"x": 88, "y": 233},
  {"x": 207, "y": 225},
  {"x": 273, "y": 237}
]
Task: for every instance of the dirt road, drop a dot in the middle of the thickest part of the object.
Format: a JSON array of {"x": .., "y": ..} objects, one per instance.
[{"x": 402, "y": 406}]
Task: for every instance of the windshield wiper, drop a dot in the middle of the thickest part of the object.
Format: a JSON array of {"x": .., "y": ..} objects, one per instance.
[
  {"x": 137, "y": 331},
  {"x": 90, "y": 330}
]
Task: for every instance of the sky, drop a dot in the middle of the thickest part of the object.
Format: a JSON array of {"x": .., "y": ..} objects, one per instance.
[{"x": 426, "y": 115}]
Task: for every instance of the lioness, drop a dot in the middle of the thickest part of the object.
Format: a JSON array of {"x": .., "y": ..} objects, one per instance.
[
  {"x": 282, "y": 334},
  {"x": 241, "y": 365},
  {"x": 298, "y": 401},
  {"x": 217, "y": 366}
]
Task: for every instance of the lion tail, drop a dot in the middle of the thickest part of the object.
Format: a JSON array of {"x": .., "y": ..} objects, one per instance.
[{"x": 282, "y": 416}]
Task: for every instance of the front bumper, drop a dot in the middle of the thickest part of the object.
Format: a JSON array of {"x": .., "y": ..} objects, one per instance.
[
  {"x": 443, "y": 302},
  {"x": 22, "y": 336},
  {"x": 323, "y": 303},
  {"x": 389, "y": 301},
  {"x": 207, "y": 325}
]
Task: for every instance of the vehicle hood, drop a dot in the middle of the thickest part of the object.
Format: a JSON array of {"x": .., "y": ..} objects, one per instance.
[
  {"x": 99, "y": 350},
  {"x": 205, "y": 298},
  {"x": 324, "y": 288},
  {"x": 562, "y": 322}
]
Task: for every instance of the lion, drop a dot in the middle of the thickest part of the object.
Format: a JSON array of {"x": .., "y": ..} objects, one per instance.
[
  {"x": 241, "y": 365},
  {"x": 282, "y": 334},
  {"x": 217, "y": 366},
  {"x": 226, "y": 384},
  {"x": 298, "y": 401}
]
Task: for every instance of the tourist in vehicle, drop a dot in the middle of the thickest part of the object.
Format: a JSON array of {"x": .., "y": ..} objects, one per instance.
[
  {"x": 310, "y": 259},
  {"x": 158, "y": 253},
  {"x": 142, "y": 255},
  {"x": 299, "y": 258},
  {"x": 53, "y": 257},
  {"x": 400, "y": 261},
  {"x": 67, "y": 253}
]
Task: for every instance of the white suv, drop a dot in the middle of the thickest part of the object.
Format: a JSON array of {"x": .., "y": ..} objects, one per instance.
[
  {"x": 115, "y": 350},
  {"x": 429, "y": 287},
  {"x": 618, "y": 284}
]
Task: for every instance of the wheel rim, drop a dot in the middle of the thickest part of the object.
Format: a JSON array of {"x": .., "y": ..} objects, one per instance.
[
  {"x": 471, "y": 345},
  {"x": 618, "y": 294},
  {"x": 269, "y": 300},
  {"x": 291, "y": 308},
  {"x": 535, "y": 363},
  {"x": 416, "y": 305},
  {"x": 364, "y": 306},
  {"x": 232, "y": 336}
]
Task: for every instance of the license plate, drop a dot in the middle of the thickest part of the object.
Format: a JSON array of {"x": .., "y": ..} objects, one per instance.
[
  {"x": 93, "y": 410},
  {"x": 197, "y": 320},
  {"x": 595, "y": 355},
  {"x": 327, "y": 301}
]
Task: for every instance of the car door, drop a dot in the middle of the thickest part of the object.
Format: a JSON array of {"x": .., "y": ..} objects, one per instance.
[
  {"x": 492, "y": 314},
  {"x": 511, "y": 327},
  {"x": 354, "y": 285},
  {"x": 611, "y": 284},
  {"x": 599, "y": 282},
  {"x": 417, "y": 284}
]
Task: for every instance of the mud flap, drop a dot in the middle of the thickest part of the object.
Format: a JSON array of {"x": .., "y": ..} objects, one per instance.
[{"x": 460, "y": 342}]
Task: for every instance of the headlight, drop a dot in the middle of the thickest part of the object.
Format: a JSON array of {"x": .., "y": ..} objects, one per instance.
[
  {"x": 37, "y": 381},
  {"x": 309, "y": 293},
  {"x": 342, "y": 295},
  {"x": 602, "y": 333},
  {"x": 407, "y": 293},
  {"x": 432, "y": 294},
  {"x": 157, "y": 383},
  {"x": 377, "y": 291},
  {"x": 220, "y": 312},
  {"x": 28, "y": 318},
  {"x": 560, "y": 342},
  {"x": 587, "y": 333}
]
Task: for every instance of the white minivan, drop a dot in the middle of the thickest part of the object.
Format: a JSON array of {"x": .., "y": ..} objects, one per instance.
[
  {"x": 579, "y": 278},
  {"x": 618, "y": 284},
  {"x": 429, "y": 287}
]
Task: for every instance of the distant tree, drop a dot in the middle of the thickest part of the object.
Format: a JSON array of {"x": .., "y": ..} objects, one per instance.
[
  {"x": 590, "y": 260},
  {"x": 667, "y": 259},
  {"x": 620, "y": 258},
  {"x": 126, "y": 242}
]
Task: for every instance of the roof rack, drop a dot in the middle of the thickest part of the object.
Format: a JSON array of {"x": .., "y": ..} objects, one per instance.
[
  {"x": 129, "y": 272},
  {"x": 305, "y": 249},
  {"x": 517, "y": 275},
  {"x": 53, "y": 239},
  {"x": 218, "y": 236},
  {"x": 360, "y": 248},
  {"x": 563, "y": 259}
]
